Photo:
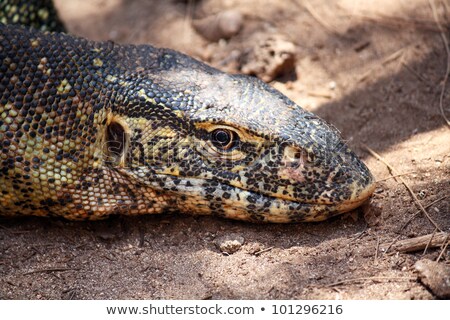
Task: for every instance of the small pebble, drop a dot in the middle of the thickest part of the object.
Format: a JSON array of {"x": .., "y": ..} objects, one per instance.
[
  {"x": 332, "y": 85},
  {"x": 422, "y": 194},
  {"x": 223, "y": 25},
  {"x": 230, "y": 243}
]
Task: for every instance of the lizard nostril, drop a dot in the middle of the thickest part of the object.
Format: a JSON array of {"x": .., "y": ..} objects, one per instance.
[{"x": 293, "y": 164}]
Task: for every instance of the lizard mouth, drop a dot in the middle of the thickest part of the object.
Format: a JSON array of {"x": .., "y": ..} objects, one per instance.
[
  {"x": 211, "y": 197},
  {"x": 197, "y": 196}
]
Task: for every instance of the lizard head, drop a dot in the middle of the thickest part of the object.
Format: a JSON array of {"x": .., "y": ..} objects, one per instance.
[
  {"x": 231, "y": 145},
  {"x": 104, "y": 128}
]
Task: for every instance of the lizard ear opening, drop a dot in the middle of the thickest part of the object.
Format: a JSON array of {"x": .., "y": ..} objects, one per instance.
[{"x": 117, "y": 141}]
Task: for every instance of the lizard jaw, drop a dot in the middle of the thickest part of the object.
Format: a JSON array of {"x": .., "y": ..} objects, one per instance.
[{"x": 195, "y": 196}]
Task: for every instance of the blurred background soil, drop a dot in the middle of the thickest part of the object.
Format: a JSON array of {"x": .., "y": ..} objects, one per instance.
[{"x": 374, "y": 69}]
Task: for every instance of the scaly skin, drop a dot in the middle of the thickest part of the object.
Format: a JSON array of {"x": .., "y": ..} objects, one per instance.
[
  {"x": 39, "y": 14},
  {"x": 90, "y": 129}
]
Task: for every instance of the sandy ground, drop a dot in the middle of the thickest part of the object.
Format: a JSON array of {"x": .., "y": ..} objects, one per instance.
[{"x": 375, "y": 71}]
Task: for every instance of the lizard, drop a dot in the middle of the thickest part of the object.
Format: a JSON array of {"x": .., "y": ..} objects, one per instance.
[{"x": 89, "y": 129}]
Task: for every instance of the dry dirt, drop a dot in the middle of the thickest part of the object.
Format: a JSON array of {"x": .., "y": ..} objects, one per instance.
[{"x": 373, "y": 69}]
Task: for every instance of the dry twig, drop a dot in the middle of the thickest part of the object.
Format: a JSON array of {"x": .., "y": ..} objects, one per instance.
[
  {"x": 392, "y": 243},
  {"x": 337, "y": 283},
  {"x": 419, "y": 243},
  {"x": 50, "y": 270},
  {"x": 395, "y": 176},
  {"x": 446, "y": 242},
  {"x": 263, "y": 250},
  {"x": 414, "y": 72},
  {"x": 429, "y": 242},
  {"x": 377, "y": 249},
  {"x": 319, "y": 94}
]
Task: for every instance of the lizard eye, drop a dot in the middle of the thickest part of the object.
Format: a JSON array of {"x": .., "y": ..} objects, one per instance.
[{"x": 224, "y": 139}]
